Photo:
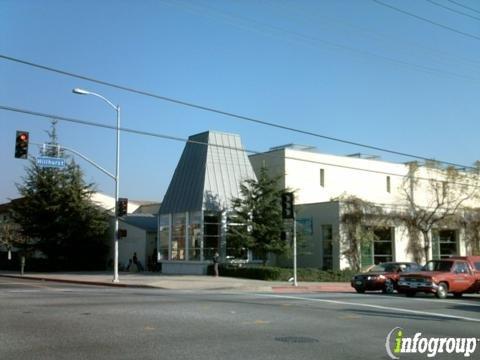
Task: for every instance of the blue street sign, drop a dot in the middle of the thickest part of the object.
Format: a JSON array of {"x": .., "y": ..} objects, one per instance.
[{"x": 51, "y": 162}]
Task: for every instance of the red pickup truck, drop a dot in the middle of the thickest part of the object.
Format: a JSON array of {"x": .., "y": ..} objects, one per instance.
[{"x": 457, "y": 275}]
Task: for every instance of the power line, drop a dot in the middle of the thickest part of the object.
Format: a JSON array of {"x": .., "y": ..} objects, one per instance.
[
  {"x": 225, "y": 113},
  {"x": 427, "y": 20},
  {"x": 464, "y": 6},
  {"x": 303, "y": 12},
  {"x": 184, "y": 140},
  {"x": 453, "y": 10},
  {"x": 312, "y": 40}
]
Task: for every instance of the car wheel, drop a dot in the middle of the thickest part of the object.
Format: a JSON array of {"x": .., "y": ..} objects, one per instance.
[
  {"x": 388, "y": 287},
  {"x": 458, "y": 295},
  {"x": 410, "y": 293},
  {"x": 360, "y": 291},
  {"x": 442, "y": 291}
]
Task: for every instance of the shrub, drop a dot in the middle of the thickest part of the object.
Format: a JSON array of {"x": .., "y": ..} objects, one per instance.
[{"x": 283, "y": 274}]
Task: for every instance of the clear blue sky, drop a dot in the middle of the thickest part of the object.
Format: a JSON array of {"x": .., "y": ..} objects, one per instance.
[{"x": 285, "y": 61}]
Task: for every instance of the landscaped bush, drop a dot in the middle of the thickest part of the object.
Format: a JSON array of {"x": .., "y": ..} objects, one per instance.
[{"x": 282, "y": 274}]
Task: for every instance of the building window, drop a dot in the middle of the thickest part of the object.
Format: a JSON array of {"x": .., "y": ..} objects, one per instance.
[
  {"x": 195, "y": 236},
  {"x": 212, "y": 231},
  {"x": 380, "y": 249},
  {"x": 322, "y": 177},
  {"x": 305, "y": 226},
  {"x": 178, "y": 236},
  {"x": 327, "y": 247},
  {"x": 444, "y": 243},
  {"x": 388, "y": 185},
  {"x": 164, "y": 236}
]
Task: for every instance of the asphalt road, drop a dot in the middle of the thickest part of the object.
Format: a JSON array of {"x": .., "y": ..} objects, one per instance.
[{"x": 42, "y": 320}]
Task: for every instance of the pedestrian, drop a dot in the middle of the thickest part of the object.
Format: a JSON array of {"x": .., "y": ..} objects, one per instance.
[
  {"x": 137, "y": 263},
  {"x": 215, "y": 264}
]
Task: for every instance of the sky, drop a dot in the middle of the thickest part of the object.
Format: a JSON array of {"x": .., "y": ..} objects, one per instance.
[{"x": 350, "y": 69}]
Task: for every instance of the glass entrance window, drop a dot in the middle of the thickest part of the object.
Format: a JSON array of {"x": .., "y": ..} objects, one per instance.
[
  {"x": 380, "y": 249},
  {"x": 211, "y": 233},
  {"x": 195, "y": 236},
  {"x": 178, "y": 236},
  {"x": 444, "y": 244},
  {"x": 382, "y": 245}
]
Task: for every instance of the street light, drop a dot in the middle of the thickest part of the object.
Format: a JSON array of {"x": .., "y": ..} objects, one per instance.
[{"x": 79, "y": 91}]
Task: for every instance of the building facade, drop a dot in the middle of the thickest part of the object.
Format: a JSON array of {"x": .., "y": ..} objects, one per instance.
[
  {"x": 193, "y": 214},
  {"x": 325, "y": 184}
]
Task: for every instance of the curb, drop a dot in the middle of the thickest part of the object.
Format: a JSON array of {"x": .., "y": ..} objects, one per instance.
[
  {"x": 83, "y": 282},
  {"x": 311, "y": 289},
  {"x": 274, "y": 289},
  {"x": 110, "y": 284}
]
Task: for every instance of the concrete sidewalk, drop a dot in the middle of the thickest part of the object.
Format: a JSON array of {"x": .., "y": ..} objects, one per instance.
[{"x": 182, "y": 282}]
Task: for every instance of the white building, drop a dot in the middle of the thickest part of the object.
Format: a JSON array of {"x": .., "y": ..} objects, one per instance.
[
  {"x": 140, "y": 224},
  {"x": 320, "y": 182}
]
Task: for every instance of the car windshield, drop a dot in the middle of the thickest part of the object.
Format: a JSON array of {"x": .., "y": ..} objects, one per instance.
[
  {"x": 438, "y": 265},
  {"x": 384, "y": 268}
]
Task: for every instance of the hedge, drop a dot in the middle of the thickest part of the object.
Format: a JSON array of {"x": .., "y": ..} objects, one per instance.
[{"x": 283, "y": 274}]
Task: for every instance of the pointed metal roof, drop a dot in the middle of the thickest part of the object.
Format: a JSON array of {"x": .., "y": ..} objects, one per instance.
[{"x": 208, "y": 177}]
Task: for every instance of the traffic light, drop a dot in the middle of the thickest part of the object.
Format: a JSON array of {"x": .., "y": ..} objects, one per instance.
[
  {"x": 287, "y": 205},
  {"x": 122, "y": 206},
  {"x": 21, "y": 145}
]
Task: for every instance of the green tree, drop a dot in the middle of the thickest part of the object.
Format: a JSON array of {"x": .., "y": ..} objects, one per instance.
[
  {"x": 57, "y": 214},
  {"x": 256, "y": 221}
]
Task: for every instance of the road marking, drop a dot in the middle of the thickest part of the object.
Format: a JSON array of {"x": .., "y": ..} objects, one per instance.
[
  {"x": 389, "y": 308},
  {"x": 350, "y": 317},
  {"x": 446, "y": 301},
  {"x": 256, "y": 322},
  {"x": 433, "y": 300}
]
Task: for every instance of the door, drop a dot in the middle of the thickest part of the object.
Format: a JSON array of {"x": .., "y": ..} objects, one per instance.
[{"x": 464, "y": 280}]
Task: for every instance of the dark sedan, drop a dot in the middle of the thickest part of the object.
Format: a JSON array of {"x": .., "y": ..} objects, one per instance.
[{"x": 383, "y": 276}]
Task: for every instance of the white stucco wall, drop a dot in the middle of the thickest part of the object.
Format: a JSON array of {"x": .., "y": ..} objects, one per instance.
[
  {"x": 363, "y": 178},
  {"x": 134, "y": 242},
  {"x": 108, "y": 202},
  {"x": 299, "y": 170}
]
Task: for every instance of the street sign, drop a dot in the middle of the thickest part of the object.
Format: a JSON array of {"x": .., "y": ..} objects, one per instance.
[{"x": 51, "y": 162}]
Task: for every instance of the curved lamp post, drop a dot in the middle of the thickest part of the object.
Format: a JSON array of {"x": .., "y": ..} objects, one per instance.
[{"x": 116, "y": 178}]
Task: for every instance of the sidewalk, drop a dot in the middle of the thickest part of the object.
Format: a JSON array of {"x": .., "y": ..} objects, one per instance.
[{"x": 182, "y": 282}]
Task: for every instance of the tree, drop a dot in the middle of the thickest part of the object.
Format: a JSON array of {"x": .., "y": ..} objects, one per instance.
[
  {"x": 446, "y": 191},
  {"x": 256, "y": 221},
  {"x": 57, "y": 213}
]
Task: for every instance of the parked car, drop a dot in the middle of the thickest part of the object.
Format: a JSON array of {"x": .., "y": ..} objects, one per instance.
[
  {"x": 383, "y": 276},
  {"x": 457, "y": 275}
]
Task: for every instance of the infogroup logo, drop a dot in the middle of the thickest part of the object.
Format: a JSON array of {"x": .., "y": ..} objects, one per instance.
[{"x": 397, "y": 344}]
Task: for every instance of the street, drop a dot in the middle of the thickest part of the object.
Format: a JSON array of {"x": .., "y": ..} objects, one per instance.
[{"x": 43, "y": 320}]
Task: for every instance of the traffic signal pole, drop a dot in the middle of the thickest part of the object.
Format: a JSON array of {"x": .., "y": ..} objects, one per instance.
[
  {"x": 294, "y": 249},
  {"x": 117, "y": 184},
  {"x": 288, "y": 212}
]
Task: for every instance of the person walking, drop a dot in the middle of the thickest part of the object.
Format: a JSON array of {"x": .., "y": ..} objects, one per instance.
[
  {"x": 215, "y": 264},
  {"x": 137, "y": 263}
]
